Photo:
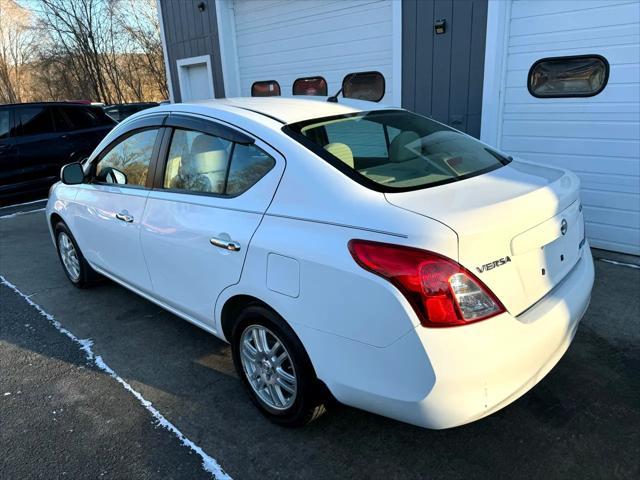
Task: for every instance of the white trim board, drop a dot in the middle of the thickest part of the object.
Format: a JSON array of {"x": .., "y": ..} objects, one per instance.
[
  {"x": 165, "y": 54},
  {"x": 396, "y": 18},
  {"x": 498, "y": 16}
]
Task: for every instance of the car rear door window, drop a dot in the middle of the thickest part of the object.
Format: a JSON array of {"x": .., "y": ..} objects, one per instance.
[
  {"x": 202, "y": 163},
  {"x": 4, "y": 123},
  {"x": 80, "y": 118},
  {"x": 197, "y": 162},
  {"x": 34, "y": 121},
  {"x": 127, "y": 162},
  {"x": 248, "y": 165}
]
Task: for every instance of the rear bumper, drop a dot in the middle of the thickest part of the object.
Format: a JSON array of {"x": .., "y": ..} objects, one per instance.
[{"x": 441, "y": 378}]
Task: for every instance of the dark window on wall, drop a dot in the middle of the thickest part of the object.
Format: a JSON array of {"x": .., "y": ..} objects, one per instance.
[
  {"x": 310, "y": 86},
  {"x": 575, "y": 76},
  {"x": 364, "y": 86},
  {"x": 267, "y": 88}
]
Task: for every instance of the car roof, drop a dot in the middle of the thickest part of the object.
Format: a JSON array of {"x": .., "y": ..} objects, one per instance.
[
  {"x": 290, "y": 110},
  {"x": 55, "y": 104}
]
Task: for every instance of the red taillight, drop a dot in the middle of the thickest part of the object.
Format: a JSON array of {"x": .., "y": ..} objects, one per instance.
[{"x": 442, "y": 292}]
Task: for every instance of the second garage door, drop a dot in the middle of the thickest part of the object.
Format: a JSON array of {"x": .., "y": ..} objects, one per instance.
[{"x": 280, "y": 41}]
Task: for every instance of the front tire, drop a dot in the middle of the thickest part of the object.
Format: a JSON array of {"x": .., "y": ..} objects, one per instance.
[
  {"x": 78, "y": 271},
  {"x": 275, "y": 369}
]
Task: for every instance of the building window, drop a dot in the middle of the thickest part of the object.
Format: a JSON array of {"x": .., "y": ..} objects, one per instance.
[
  {"x": 575, "y": 76},
  {"x": 364, "y": 86},
  {"x": 310, "y": 86},
  {"x": 266, "y": 88}
]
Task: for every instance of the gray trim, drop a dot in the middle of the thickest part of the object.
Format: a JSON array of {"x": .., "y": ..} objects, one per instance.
[
  {"x": 191, "y": 33},
  {"x": 442, "y": 75}
]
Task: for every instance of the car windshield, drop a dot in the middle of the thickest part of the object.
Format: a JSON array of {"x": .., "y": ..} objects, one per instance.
[{"x": 395, "y": 150}]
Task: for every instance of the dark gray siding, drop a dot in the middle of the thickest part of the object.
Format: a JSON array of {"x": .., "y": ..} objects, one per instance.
[
  {"x": 442, "y": 74},
  {"x": 191, "y": 33}
]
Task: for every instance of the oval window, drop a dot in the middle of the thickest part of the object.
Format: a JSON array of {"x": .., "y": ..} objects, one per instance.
[
  {"x": 310, "y": 86},
  {"x": 266, "y": 88},
  {"x": 577, "y": 76},
  {"x": 364, "y": 86}
]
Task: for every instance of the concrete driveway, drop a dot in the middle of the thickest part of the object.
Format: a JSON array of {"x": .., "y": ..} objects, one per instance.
[{"x": 63, "y": 416}]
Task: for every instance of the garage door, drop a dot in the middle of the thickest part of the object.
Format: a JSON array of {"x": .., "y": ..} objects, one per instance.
[
  {"x": 277, "y": 40},
  {"x": 597, "y": 137}
]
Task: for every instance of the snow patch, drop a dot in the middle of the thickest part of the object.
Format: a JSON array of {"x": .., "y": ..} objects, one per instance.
[{"x": 209, "y": 464}]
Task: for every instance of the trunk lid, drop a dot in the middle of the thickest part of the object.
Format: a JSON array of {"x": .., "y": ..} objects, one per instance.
[{"x": 520, "y": 227}]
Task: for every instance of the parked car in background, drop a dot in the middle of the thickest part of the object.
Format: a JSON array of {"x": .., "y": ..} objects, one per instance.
[
  {"x": 36, "y": 139},
  {"x": 123, "y": 110},
  {"x": 403, "y": 266}
]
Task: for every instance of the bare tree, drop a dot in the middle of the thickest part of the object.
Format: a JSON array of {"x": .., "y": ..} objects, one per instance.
[
  {"x": 139, "y": 22},
  {"x": 16, "y": 50}
]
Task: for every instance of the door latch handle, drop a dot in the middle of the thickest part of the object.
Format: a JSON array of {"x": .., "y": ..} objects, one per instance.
[
  {"x": 226, "y": 244},
  {"x": 124, "y": 217}
]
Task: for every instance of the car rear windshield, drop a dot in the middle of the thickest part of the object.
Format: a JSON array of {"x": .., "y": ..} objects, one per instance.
[{"x": 395, "y": 150}]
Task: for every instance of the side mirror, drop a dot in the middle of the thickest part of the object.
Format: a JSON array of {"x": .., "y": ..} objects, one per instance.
[
  {"x": 113, "y": 175},
  {"x": 72, "y": 174}
]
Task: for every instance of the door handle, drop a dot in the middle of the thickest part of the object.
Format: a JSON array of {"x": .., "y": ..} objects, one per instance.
[
  {"x": 230, "y": 245},
  {"x": 124, "y": 217}
]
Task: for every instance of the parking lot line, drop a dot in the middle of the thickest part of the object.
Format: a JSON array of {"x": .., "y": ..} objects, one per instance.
[{"x": 209, "y": 464}]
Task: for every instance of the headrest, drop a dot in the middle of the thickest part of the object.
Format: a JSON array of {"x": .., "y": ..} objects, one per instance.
[
  {"x": 206, "y": 162},
  {"x": 341, "y": 151},
  {"x": 206, "y": 143},
  {"x": 406, "y": 146}
]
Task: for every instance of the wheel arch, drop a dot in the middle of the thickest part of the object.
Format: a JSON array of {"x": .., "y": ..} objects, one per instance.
[
  {"x": 54, "y": 219},
  {"x": 236, "y": 303},
  {"x": 233, "y": 306}
]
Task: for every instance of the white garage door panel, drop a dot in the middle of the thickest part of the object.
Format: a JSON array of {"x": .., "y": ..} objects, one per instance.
[
  {"x": 583, "y": 16},
  {"x": 287, "y": 40},
  {"x": 574, "y": 129},
  {"x": 596, "y": 137}
]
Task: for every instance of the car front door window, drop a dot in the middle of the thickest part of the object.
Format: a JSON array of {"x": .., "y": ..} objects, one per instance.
[{"x": 127, "y": 163}]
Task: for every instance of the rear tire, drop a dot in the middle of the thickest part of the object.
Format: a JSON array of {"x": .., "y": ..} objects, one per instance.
[
  {"x": 275, "y": 369},
  {"x": 78, "y": 271}
]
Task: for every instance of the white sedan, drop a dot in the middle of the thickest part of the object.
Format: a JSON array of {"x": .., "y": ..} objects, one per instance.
[{"x": 344, "y": 250}]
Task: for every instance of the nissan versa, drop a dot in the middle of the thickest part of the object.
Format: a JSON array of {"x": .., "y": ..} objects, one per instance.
[{"x": 343, "y": 249}]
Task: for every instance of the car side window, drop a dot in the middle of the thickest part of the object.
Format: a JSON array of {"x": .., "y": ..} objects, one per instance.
[
  {"x": 80, "y": 118},
  {"x": 197, "y": 162},
  {"x": 127, "y": 163},
  {"x": 248, "y": 165},
  {"x": 34, "y": 121},
  {"x": 4, "y": 123}
]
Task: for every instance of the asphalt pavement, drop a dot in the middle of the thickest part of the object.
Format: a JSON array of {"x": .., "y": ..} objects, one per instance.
[{"x": 61, "y": 416}]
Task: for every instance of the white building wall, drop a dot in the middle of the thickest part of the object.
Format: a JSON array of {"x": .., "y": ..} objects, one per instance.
[{"x": 596, "y": 137}]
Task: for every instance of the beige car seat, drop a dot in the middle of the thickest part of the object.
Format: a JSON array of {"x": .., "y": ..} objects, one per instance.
[{"x": 341, "y": 151}]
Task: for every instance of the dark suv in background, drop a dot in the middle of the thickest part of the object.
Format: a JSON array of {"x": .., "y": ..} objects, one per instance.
[
  {"x": 123, "y": 110},
  {"x": 36, "y": 139}
]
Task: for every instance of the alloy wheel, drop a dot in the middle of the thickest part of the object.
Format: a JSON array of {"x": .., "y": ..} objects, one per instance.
[
  {"x": 69, "y": 256},
  {"x": 268, "y": 367}
]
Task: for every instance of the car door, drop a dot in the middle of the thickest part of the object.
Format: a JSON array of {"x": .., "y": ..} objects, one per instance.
[
  {"x": 108, "y": 209},
  {"x": 85, "y": 125},
  {"x": 42, "y": 148},
  {"x": 213, "y": 185},
  {"x": 9, "y": 166}
]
